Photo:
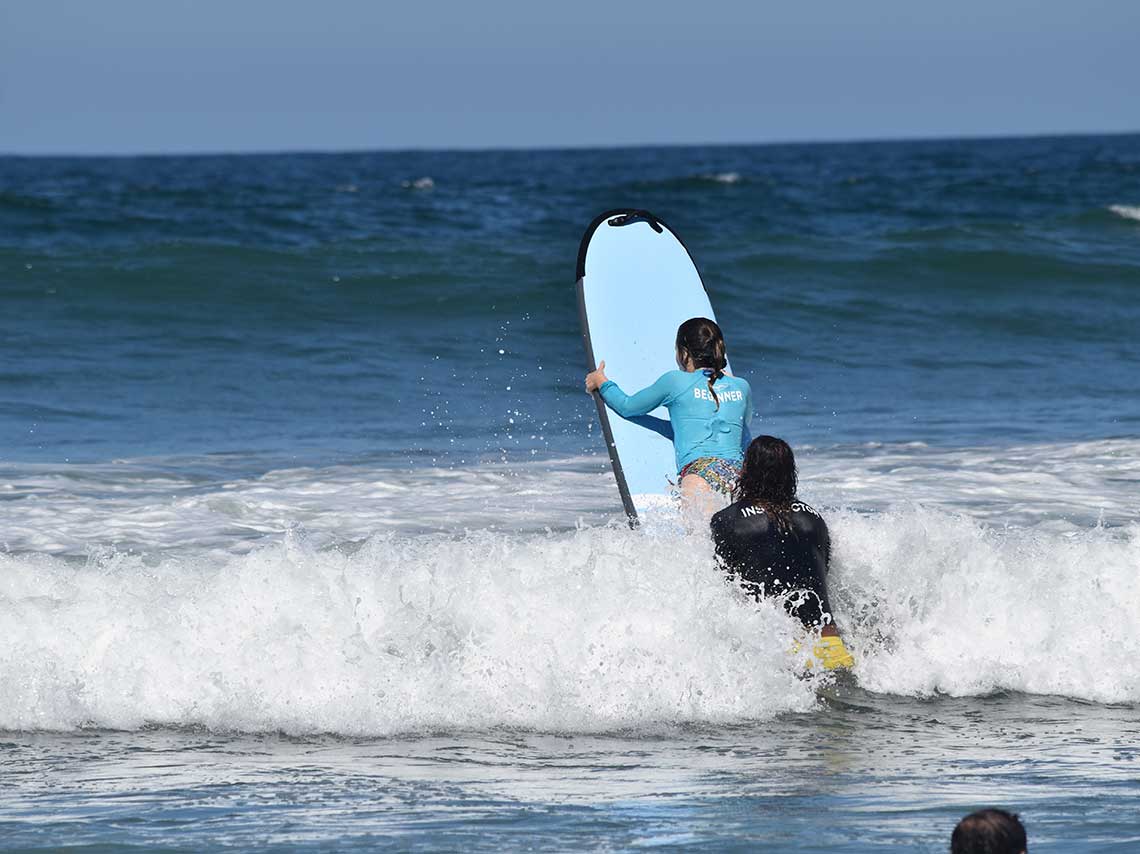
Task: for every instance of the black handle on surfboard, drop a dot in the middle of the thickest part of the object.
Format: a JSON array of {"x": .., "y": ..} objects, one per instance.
[{"x": 637, "y": 216}]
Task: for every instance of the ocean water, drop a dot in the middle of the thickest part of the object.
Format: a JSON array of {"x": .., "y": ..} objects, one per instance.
[{"x": 308, "y": 538}]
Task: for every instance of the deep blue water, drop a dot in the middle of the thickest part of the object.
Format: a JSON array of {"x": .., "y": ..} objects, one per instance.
[{"x": 946, "y": 292}]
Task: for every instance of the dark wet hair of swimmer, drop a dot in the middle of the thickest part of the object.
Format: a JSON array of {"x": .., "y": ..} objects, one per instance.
[
  {"x": 768, "y": 477},
  {"x": 990, "y": 831}
]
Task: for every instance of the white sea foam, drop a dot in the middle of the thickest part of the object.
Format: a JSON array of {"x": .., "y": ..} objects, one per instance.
[
  {"x": 594, "y": 629},
  {"x": 1126, "y": 211},
  {"x": 723, "y": 177},
  {"x": 938, "y": 603},
  {"x": 1061, "y": 487},
  {"x": 153, "y": 505},
  {"x": 590, "y": 630},
  {"x": 350, "y": 598},
  {"x": 150, "y": 505}
]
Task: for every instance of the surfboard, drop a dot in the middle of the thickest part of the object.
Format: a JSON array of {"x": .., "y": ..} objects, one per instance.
[{"x": 636, "y": 283}]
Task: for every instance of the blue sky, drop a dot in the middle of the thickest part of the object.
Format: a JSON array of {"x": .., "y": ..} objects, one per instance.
[{"x": 131, "y": 76}]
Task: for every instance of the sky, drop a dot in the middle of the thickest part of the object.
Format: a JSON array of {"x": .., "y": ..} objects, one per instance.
[{"x": 166, "y": 76}]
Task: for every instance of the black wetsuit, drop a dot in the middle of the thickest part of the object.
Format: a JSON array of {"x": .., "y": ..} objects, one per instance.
[{"x": 770, "y": 560}]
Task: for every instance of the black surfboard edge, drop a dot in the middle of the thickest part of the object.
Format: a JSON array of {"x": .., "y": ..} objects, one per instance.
[{"x": 603, "y": 413}]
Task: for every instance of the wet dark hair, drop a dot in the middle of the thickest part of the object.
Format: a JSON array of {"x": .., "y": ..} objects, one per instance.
[
  {"x": 768, "y": 477},
  {"x": 701, "y": 341},
  {"x": 989, "y": 831}
]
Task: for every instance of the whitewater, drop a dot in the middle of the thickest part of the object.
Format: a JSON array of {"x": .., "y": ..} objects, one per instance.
[{"x": 366, "y": 601}]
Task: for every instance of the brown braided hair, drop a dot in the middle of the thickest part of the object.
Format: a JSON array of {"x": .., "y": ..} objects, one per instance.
[{"x": 700, "y": 341}]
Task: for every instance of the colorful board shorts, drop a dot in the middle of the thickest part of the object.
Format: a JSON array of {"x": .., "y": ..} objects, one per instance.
[{"x": 719, "y": 473}]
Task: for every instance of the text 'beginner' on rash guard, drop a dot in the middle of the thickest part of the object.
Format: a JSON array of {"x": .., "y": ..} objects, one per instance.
[{"x": 700, "y": 429}]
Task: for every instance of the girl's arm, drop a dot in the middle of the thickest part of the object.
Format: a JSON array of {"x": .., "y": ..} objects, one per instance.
[
  {"x": 660, "y": 426},
  {"x": 642, "y": 403}
]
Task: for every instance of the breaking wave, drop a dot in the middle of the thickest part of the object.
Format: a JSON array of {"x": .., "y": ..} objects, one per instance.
[
  {"x": 1126, "y": 211},
  {"x": 595, "y": 629},
  {"x": 938, "y": 603}
]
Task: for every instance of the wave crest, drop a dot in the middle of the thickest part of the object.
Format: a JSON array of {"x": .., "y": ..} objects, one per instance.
[
  {"x": 1126, "y": 211},
  {"x": 936, "y": 603},
  {"x": 594, "y": 629},
  {"x": 598, "y": 629}
]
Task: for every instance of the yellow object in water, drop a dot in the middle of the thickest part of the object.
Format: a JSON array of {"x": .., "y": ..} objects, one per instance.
[{"x": 831, "y": 653}]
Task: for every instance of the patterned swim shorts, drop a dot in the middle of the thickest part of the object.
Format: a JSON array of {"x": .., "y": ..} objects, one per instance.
[{"x": 718, "y": 473}]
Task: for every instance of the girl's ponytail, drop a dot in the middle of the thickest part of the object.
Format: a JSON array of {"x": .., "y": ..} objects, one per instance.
[
  {"x": 719, "y": 363},
  {"x": 701, "y": 340}
]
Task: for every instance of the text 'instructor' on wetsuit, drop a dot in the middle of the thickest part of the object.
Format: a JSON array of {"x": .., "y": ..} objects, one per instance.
[{"x": 776, "y": 545}]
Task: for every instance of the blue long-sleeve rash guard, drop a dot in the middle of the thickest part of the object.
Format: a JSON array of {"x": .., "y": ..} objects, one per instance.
[{"x": 699, "y": 429}]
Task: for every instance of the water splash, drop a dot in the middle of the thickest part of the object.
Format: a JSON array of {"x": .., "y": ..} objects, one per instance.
[
  {"x": 597, "y": 629},
  {"x": 937, "y": 603}
]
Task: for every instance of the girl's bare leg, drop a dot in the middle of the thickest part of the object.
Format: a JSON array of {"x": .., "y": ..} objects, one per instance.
[{"x": 698, "y": 502}]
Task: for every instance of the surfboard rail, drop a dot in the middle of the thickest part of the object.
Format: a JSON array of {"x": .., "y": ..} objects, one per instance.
[{"x": 603, "y": 413}]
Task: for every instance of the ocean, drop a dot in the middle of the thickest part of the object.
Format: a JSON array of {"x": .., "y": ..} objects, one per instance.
[{"x": 309, "y": 541}]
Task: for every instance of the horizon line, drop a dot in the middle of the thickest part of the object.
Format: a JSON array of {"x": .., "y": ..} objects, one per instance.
[{"x": 490, "y": 149}]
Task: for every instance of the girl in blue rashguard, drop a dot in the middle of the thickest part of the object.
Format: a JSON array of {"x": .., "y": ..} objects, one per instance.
[{"x": 709, "y": 411}]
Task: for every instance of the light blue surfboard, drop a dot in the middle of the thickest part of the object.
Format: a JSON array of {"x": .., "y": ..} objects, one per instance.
[{"x": 636, "y": 284}]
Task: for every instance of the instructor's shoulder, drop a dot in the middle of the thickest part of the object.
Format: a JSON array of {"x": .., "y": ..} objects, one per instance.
[
  {"x": 803, "y": 507},
  {"x": 724, "y": 517},
  {"x": 810, "y": 518}
]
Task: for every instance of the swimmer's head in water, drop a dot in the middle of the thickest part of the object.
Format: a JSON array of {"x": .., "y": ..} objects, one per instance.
[
  {"x": 701, "y": 344},
  {"x": 989, "y": 831},
  {"x": 768, "y": 476}
]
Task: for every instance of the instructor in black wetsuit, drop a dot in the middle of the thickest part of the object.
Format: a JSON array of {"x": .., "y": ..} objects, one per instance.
[{"x": 776, "y": 545}]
